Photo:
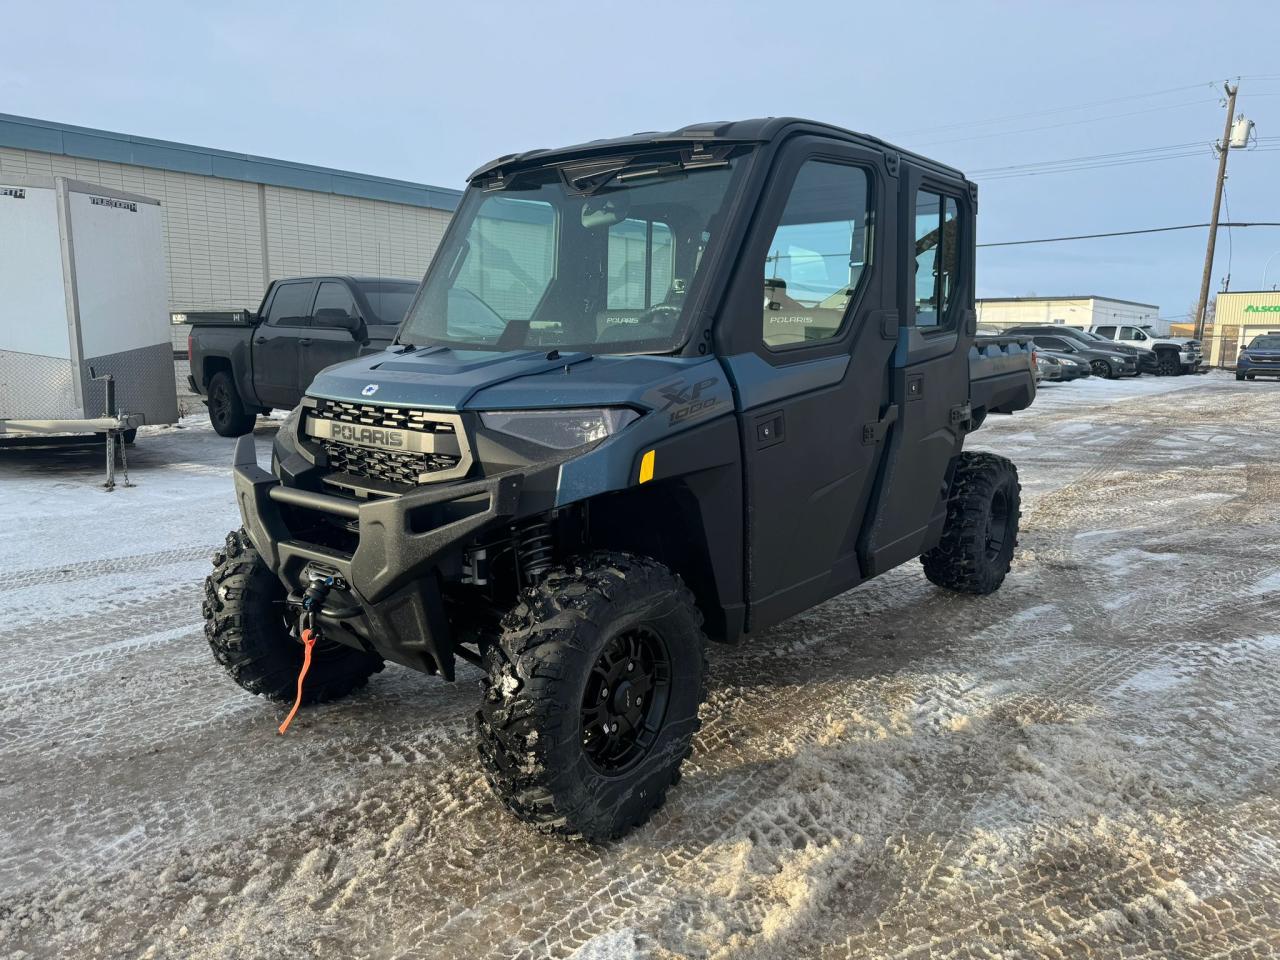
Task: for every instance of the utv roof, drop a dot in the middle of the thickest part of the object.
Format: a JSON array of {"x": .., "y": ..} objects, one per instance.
[{"x": 761, "y": 130}]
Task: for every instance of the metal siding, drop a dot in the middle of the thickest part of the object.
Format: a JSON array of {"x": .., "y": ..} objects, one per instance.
[{"x": 214, "y": 241}]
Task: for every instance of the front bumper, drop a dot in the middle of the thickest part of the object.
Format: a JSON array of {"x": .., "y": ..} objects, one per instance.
[
  {"x": 1257, "y": 368},
  {"x": 393, "y": 605}
]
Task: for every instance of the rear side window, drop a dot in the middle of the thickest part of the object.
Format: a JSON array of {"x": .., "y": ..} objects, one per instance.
[
  {"x": 817, "y": 256},
  {"x": 291, "y": 306},
  {"x": 1108, "y": 332},
  {"x": 937, "y": 259},
  {"x": 641, "y": 264}
]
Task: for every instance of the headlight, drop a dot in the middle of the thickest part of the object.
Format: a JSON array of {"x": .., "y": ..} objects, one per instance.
[
  {"x": 560, "y": 429},
  {"x": 1118, "y": 359}
]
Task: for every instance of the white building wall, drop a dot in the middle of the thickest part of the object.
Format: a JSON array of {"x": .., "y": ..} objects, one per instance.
[
  {"x": 1079, "y": 312},
  {"x": 214, "y": 230}
]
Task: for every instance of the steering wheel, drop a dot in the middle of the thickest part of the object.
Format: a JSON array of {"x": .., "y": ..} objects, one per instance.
[{"x": 659, "y": 311}]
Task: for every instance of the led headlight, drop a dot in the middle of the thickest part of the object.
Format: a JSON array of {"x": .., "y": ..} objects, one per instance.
[
  {"x": 1118, "y": 359},
  {"x": 560, "y": 429}
]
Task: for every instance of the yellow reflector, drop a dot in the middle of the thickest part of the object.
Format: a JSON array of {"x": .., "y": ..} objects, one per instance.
[{"x": 646, "y": 467}]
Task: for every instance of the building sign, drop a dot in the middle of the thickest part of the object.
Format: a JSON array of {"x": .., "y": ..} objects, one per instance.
[
  {"x": 1262, "y": 308},
  {"x": 17, "y": 193}
]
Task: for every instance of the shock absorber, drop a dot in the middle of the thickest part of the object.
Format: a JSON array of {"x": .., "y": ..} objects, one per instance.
[{"x": 535, "y": 549}]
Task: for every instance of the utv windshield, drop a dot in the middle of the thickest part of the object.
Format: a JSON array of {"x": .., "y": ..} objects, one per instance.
[{"x": 600, "y": 256}]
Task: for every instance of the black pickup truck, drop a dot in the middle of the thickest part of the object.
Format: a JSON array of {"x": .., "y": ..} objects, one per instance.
[{"x": 248, "y": 363}]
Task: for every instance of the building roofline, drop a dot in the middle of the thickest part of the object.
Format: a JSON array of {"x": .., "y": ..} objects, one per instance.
[
  {"x": 27, "y": 133},
  {"x": 1083, "y": 296},
  {"x": 1233, "y": 293}
]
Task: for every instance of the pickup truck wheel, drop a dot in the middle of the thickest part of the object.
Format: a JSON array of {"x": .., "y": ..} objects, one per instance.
[
  {"x": 247, "y": 628},
  {"x": 591, "y": 696},
  {"x": 226, "y": 409},
  {"x": 981, "y": 529},
  {"x": 1168, "y": 364}
]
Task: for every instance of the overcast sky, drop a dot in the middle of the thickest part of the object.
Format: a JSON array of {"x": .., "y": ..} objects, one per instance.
[{"x": 428, "y": 92}]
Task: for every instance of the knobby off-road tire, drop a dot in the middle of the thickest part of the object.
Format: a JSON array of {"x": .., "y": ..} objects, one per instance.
[
  {"x": 227, "y": 412},
  {"x": 245, "y": 624},
  {"x": 981, "y": 528},
  {"x": 549, "y": 692}
]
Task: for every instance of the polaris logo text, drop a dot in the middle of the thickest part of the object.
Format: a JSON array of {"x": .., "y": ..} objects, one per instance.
[{"x": 367, "y": 436}]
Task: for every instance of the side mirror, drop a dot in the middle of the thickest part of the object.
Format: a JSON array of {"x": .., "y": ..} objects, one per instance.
[
  {"x": 244, "y": 318},
  {"x": 338, "y": 318}
]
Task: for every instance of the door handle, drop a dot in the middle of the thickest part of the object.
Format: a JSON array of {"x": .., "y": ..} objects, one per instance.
[
  {"x": 259, "y": 340},
  {"x": 304, "y": 341}
]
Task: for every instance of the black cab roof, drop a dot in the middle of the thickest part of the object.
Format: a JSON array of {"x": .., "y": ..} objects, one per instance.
[{"x": 760, "y": 130}]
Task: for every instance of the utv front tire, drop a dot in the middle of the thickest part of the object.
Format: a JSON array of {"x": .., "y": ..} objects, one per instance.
[
  {"x": 245, "y": 622},
  {"x": 981, "y": 529},
  {"x": 591, "y": 696}
]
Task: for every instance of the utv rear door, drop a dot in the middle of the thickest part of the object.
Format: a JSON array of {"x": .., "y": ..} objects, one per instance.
[
  {"x": 808, "y": 349},
  {"x": 930, "y": 382}
]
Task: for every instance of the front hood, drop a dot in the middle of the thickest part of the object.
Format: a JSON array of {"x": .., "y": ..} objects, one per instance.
[
  {"x": 1180, "y": 341},
  {"x": 440, "y": 378}
]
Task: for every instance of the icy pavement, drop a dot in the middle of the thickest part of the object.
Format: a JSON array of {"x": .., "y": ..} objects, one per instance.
[{"x": 1084, "y": 764}]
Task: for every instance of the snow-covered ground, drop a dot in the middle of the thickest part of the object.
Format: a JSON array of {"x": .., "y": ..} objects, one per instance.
[{"x": 1083, "y": 764}]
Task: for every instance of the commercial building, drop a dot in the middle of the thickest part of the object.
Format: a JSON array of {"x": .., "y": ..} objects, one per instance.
[
  {"x": 1239, "y": 316},
  {"x": 234, "y": 222},
  {"x": 1000, "y": 313}
]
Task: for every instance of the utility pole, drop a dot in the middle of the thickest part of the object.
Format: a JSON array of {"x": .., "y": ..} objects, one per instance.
[{"x": 1223, "y": 147}]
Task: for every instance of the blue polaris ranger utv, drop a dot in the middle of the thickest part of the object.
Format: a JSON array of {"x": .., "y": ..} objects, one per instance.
[{"x": 652, "y": 390}]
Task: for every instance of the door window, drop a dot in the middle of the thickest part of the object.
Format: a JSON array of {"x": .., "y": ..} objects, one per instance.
[
  {"x": 291, "y": 306},
  {"x": 333, "y": 300},
  {"x": 937, "y": 259},
  {"x": 641, "y": 263},
  {"x": 817, "y": 256},
  {"x": 1108, "y": 332}
]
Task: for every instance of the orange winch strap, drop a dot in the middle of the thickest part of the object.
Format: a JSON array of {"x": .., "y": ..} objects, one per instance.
[{"x": 308, "y": 641}]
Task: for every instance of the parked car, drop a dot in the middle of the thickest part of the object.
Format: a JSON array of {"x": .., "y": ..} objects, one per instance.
[
  {"x": 1102, "y": 363},
  {"x": 1173, "y": 355},
  {"x": 1261, "y": 358},
  {"x": 1062, "y": 367},
  {"x": 254, "y": 362},
  {"x": 1145, "y": 360}
]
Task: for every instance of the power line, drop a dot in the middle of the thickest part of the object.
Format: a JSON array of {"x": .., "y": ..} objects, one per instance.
[
  {"x": 1055, "y": 111},
  {"x": 1128, "y": 233},
  {"x": 1068, "y": 123}
]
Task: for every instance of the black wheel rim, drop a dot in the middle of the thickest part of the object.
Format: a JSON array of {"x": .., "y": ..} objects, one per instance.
[
  {"x": 625, "y": 701},
  {"x": 219, "y": 403},
  {"x": 997, "y": 525}
]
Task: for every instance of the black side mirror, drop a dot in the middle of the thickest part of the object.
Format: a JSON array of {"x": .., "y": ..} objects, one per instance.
[{"x": 340, "y": 319}]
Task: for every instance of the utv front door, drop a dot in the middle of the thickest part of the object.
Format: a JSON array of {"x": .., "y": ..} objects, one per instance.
[{"x": 809, "y": 354}]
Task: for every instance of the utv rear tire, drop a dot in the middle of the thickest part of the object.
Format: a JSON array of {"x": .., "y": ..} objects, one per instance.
[
  {"x": 612, "y": 636},
  {"x": 245, "y": 624},
  {"x": 981, "y": 529},
  {"x": 226, "y": 408}
]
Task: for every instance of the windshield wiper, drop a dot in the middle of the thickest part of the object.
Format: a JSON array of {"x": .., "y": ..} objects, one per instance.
[{"x": 591, "y": 176}]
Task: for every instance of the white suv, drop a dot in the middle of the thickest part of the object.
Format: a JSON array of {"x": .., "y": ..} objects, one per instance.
[{"x": 1174, "y": 355}]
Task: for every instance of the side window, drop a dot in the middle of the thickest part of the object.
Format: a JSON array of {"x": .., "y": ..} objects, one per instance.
[
  {"x": 291, "y": 306},
  {"x": 333, "y": 300},
  {"x": 818, "y": 254},
  {"x": 937, "y": 253},
  {"x": 1108, "y": 332},
  {"x": 641, "y": 264},
  {"x": 508, "y": 265}
]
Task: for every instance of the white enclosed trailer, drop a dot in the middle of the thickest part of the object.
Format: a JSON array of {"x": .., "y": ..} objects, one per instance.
[{"x": 84, "y": 323}]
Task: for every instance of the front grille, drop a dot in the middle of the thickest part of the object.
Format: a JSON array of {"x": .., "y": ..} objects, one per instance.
[{"x": 402, "y": 468}]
